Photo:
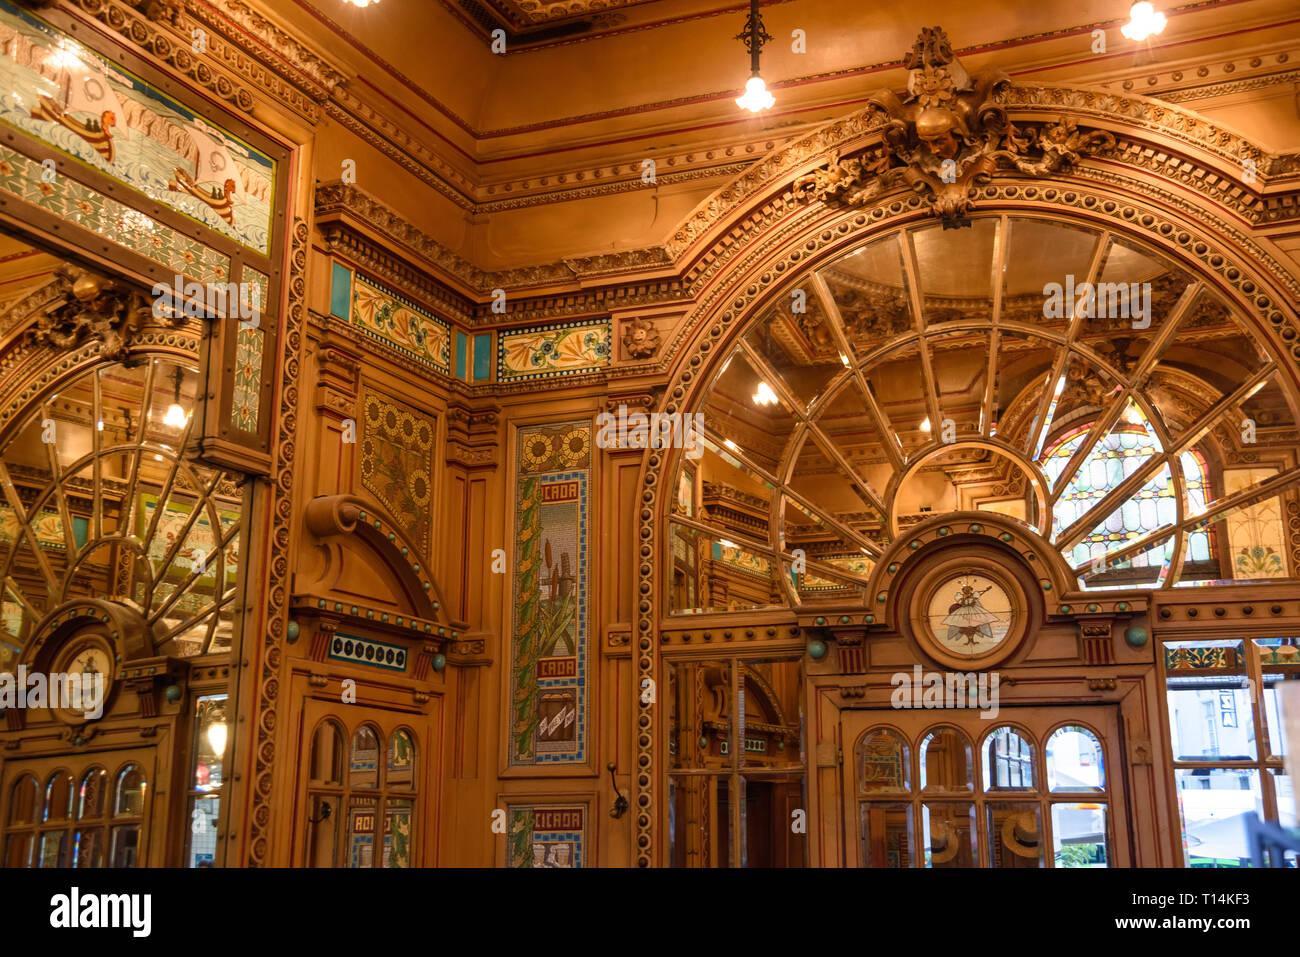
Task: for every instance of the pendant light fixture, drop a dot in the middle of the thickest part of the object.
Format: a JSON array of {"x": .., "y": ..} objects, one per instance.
[
  {"x": 1144, "y": 20},
  {"x": 176, "y": 416},
  {"x": 756, "y": 97}
]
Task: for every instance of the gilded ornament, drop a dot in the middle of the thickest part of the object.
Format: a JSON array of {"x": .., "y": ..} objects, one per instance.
[
  {"x": 947, "y": 134},
  {"x": 640, "y": 338}
]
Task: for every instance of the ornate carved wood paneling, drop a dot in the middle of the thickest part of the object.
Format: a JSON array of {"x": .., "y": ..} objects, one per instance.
[{"x": 267, "y": 673}]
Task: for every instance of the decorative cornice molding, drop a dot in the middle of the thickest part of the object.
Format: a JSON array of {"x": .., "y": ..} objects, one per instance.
[
  {"x": 143, "y": 31},
  {"x": 1198, "y": 79},
  {"x": 246, "y": 53},
  {"x": 541, "y": 193},
  {"x": 344, "y": 239},
  {"x": 1228, "y": 87},
  {"x": 304, "y": 60},
  {"x": 1158, "y": 117},
  {"x": 348, "y": 217},
  {"x": 399, "y": 146}
]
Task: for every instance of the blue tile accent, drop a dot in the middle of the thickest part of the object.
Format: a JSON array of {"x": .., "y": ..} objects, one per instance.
[
  {"x": 567, "y": 836},
  {"x": 483, "y": 357},
  {"x": 341, "y": 291},
  {"x": 461, "y": 342}
]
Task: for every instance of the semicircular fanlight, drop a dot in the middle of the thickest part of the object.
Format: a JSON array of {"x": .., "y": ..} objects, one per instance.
[
  {"x": 98, "y": 500},
  {"x": 1059, "y": 375}
]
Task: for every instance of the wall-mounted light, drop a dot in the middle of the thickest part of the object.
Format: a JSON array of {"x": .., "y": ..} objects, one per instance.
[
  {"x": 925, "y": 425},
  {"x": 1144, "y": 20},
  {"x": 756, "y": 97},
  {"x": 361, "y": 3}
]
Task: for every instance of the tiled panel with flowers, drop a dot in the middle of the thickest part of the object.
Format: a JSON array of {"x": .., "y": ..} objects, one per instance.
[
  {"x": 401, "y": 324},
  {"x": 543, "y": 352},
  {"x": 248, "y": 378},
  {"x": 554, "y": 350}
]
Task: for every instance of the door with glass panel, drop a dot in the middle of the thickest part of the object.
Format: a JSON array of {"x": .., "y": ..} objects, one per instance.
[
  {"x": 362, "y": 776},
  {"x": 736, "y": 791},
  {"x": 87, "y": 811},
  {"x": 1033, "y": 787}
]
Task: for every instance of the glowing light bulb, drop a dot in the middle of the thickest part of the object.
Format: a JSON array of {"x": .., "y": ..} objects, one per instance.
[
  {"x": 217, "y": 737},
  {"x": 731, "y": 445},
  {"x": 175, "y": 417},
  {"x": 925, "y": 426},
  {"x": 361, "y": 3},
  {"x": 1144, "y": 21},
  {"x": 764, "y": 395},
  {"x": 756, "y": 97}
]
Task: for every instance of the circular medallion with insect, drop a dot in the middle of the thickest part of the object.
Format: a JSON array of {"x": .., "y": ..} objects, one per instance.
[
  {"x": 970, "y": 615},
  {"x": 968, "y": 612}
]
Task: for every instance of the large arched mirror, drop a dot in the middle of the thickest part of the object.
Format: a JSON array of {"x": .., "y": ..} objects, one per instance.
[{"x": 1058, "y": 374}]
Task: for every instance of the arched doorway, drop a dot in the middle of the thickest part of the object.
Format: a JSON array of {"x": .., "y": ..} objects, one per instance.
[{"x": 122, "y": 556}]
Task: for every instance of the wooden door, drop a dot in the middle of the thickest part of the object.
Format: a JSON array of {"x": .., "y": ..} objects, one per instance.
[
  {"x": 1031, "y": 787},
  {"x": 367, "y": 787}
]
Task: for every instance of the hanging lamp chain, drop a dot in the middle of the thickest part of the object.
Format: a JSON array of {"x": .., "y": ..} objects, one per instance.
[{"x": 754, "y": 36}]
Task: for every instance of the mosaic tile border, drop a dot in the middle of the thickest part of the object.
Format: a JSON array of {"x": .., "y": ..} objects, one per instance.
[{"x": 550, "y": 349}]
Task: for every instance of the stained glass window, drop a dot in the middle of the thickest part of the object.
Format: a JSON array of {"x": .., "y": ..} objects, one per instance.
[
  {"x": 346, "y": 810},
  {"x": 1125, "y": 449}
]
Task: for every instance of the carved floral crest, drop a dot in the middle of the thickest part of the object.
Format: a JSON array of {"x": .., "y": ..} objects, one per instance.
[
  {"x": 78, "y": 306},
  {"x": 946, "y": 134},
  {"x": 640, "y": 338}
]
